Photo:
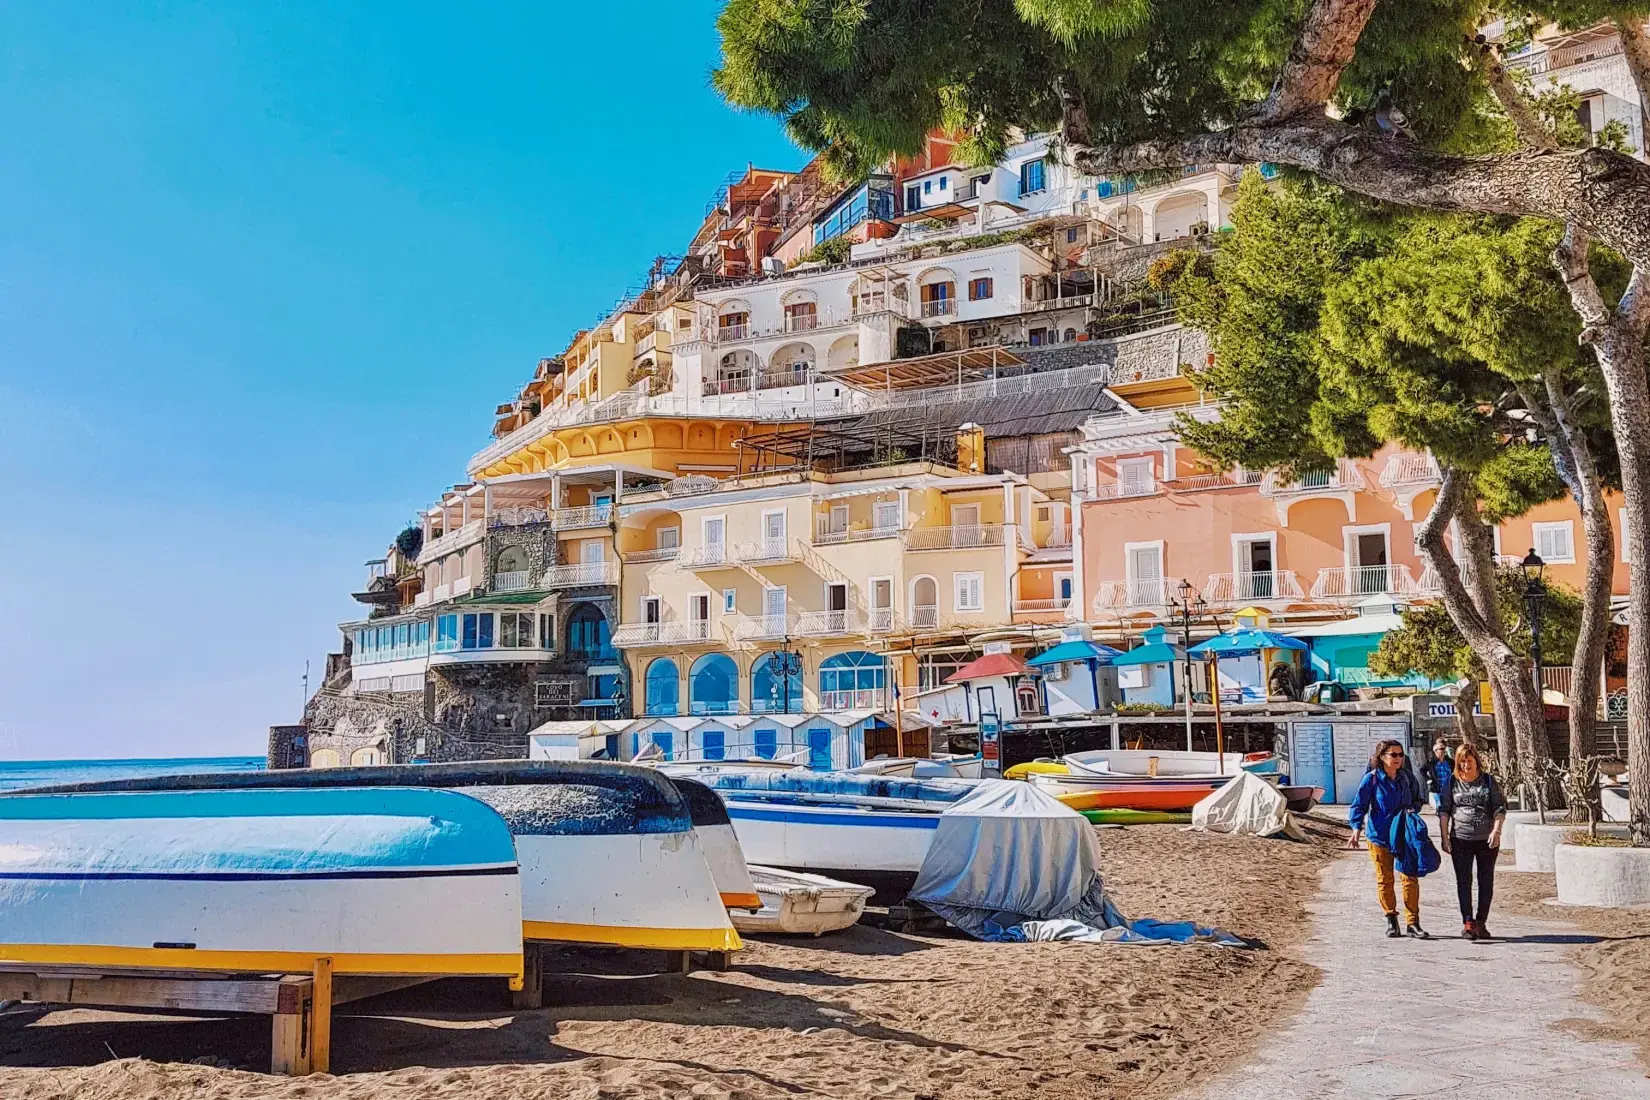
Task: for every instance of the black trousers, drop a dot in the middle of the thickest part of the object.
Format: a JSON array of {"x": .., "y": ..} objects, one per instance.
[{"x": 1464, "y": 854}]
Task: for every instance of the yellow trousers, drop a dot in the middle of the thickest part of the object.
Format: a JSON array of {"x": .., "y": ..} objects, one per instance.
[{"x": 1381, "y": 857}]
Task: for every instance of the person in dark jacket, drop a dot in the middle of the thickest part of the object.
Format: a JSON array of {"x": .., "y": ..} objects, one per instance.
[
  {"x": 1439, "y": 772},
  {"x": 1388, "y": 790},
  {"x": 1472, "y": 814}
]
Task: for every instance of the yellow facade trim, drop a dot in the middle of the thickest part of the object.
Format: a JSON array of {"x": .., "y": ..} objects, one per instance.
[
  {"x": 261, "y": 962},
  {"x": 658, "y": 939}
]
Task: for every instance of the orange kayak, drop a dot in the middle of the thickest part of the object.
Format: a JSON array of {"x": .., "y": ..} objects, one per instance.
[{"x": 1158, "y": 797}]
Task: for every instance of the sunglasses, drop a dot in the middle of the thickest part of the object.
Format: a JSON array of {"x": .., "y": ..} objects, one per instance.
[{"x": 1393, "y": 754}]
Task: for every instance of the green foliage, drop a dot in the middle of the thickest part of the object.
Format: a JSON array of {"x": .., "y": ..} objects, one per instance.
[
  {"x": 1142, "y": 708},
  {"x": 1429, "y": 643},
  {"x": 834, "y": 251},
  {"x": 410, "y": 541}
]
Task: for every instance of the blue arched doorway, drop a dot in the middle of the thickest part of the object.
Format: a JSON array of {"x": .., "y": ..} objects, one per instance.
[
  {"x": 663, "y": 687},
  {"x": 713, "y": 685}
]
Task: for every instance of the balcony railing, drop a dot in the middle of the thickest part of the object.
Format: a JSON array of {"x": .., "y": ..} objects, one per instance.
[
  {"x": 1198, "y": 483},
  {"x": 637, "y": 635},
  {"x": 644, "y": 557},
  {"x": 725, "y": 333},
  {"x": 581, "y": 573},
  {"x": 594, "y": 515},
  {"x": 801, "y": 322},
  {"x": 969, "y": 537},
  {"x": 1123, "y": 490},
  {"x": 517, "y": 516},
  {"x": 881, "y": 620},
  {"x": 516, "y": 580},
  {"x": 1364, "y": 580},
  {"x": 763, "y": 628},
  {"x": 1407, "y": 469},
  {"x": 1042, "y": 607},
  {"x": 1235, "y": 588},
  {"x": 1129, "y": 594},
  {"x": 453, "y": 541},
  {"x": 828, "y": 624},
  {"x": 711, "y": 556},
  {"x": 925, "y": 617},
  {"x": 1344, "y": 476},
  {"x": 862, "y": 699},
  {"x": 730, "y": 383},
  {"x": 441, "y": 592},
  {"x": 825, "y": 536},
  {"x": 765, "y": 552},
  {"x": 940, "y": 307},
  {"x": 779, "y": 379}
]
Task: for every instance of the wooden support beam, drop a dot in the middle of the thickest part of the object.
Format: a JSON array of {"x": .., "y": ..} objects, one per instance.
[
  {"x": 289, "y": 1043},
  {"x": 320, "y": 1019},
  {"x": 116, "y": 991},
  {"x": 678, "y": 962},
  {"x": 531, "y": 993}
]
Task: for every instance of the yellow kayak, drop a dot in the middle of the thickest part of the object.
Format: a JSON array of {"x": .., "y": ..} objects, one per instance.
[{"x": 1036, "y": 767}]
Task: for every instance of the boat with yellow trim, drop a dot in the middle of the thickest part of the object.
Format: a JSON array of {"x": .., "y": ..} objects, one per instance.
[
  {"x": 260, "y": 881},
  {"x": 609, "y": 854}
]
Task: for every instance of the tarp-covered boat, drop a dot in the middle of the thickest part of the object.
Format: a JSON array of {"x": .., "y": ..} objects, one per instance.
[
  {"x": 382, "y": 881},
  {"x": 608, "y": 852}
]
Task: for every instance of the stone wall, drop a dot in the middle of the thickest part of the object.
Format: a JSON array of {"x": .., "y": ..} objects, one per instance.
[
  {"x": 485, "y": 711},
  {"x": 536, "y": 540}
]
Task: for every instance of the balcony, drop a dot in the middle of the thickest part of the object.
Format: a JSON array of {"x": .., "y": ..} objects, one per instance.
[
  {"x": 452, "y": 542},
  {"x": 1406, "y": 470},
  {"x": 516, "y": 580},
  {"x": 780, "y": 379},
  {"x": 829, "y": 624},
  {"x": 824, "y": 535},
  {"x": 800, "y": 322},
  {"x": 1199, "y": 483},
  {"x": 971, "y": 537},
  {"x": 925, "y": 617},
  {"x": 882, "y": 620},
  {"x": 765, "y": 552},
  {"x": 581, "y": 573},
  {"x": 572, "y": 519},
  {"x": 730, "y": 383},
  {"x": 940, "y": 307},
  {"x": 711, "y": 556},
  {"x": 1361, "y": 581},
  {"x": 728, "y": 333},
  {"x": 1124, "y": 490},
  {"x": 441, "y": 592},
  {"x": 1240, "y": 588},
  {"x": 648, "y": 557},
  {"x": 1055, "y": 607},
  {"x": 763, "y": 628},
  {"x": 640, "y": 635},
  {"x": 1343, "y": 478},
  {"x": 518, "y": 516},
  {"x": 1138, "y": 594}
]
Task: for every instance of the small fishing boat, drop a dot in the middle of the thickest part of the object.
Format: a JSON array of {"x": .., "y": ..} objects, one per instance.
[
  {"x": 1092, "y": 793},
  {"x": 1136, "y": 817},
  {"x": 797, "y": 903},
  {"x": 608, "y": 852},
  {"x": 886, "y": 765},
  {"x": 260, "y": 881},
  {"x": 950, "y": 766},
  {"x": 720, "y": 843},
  {"x": 1168, "y": 763},
  {"x": 1300, "y": 799}
]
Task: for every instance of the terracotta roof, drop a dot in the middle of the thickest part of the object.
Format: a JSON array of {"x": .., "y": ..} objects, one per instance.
[{"x": 992, "y": 664}]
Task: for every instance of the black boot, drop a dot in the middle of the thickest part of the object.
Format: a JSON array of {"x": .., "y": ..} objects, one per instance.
[
  {"x": 1392, "y": 932},
  {"x": 1417, "y": 931}
]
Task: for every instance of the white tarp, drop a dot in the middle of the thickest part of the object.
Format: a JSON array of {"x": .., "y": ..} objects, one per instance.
[
  {"x": 1007, "y": 852},
  {"x": 1247, "y": 806}
]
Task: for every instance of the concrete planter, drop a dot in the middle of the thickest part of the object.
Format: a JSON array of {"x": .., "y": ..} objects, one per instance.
[
  {"x": 1613, "y": 801},
  {"x": 1536, "y": 843},
  {"x": 1602, "y": 876},
  {"x": 1509, "y": 829}
]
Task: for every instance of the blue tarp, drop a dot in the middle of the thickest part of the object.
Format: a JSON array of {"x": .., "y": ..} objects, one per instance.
[{"x": 1075, "y": 651}]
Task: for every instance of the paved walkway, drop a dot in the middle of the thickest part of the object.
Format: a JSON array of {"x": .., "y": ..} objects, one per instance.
[{"x": 1442, "y": 1019}]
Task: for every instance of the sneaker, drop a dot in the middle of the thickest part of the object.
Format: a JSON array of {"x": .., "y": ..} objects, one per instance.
[
  {"x": 1483, "y": 931},
  {"x": 1469, "y": 931},
  {"x": 1392, "y": 932},
  {"x": 1417, "y": 932}
]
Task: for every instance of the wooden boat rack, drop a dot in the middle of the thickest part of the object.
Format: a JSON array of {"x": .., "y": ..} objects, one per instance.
[{"x": 299, "y": 1005}]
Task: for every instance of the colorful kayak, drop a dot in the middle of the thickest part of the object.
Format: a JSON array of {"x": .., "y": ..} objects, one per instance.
[
  {"x": 1165, "y": 795},
  {"x": 608, "y": 853},
  {"x": 1136, "y": 817},
  {"x": 260, "y": 881}
]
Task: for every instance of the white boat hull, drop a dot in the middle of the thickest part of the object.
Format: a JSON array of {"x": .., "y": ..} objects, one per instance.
[
  {"x": 1165, "y": 764},
  {"x": 726, "y": 860},
  {"x": 788, "y": 834},
  {"x": 803, "y": 905}
]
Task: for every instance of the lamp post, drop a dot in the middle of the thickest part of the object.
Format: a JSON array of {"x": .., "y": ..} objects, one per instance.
[
  {"x": 1185, "y": 604},
  {"x": 1535, "y": 595},
  {"x": 784, "y": 664}
]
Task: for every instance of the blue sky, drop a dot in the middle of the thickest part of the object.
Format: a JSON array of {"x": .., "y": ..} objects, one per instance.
[{"x": 265, "y": 269}]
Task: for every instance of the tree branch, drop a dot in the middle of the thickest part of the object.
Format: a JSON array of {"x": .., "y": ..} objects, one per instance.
[
  {"x": 1075, "y": 128},
  {"x": 1322, "y": 51},
  {"x": 1570, "y": 257},
  {"x": 1531, "y": 130},
  {"x": 1635, "y": 46},
  {"x": 1602, "y": 191},
  {"x": 1634, "y": 307}
]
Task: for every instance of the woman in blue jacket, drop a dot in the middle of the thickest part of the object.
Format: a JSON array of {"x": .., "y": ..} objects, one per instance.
[{"x": 1388, "y": 790}]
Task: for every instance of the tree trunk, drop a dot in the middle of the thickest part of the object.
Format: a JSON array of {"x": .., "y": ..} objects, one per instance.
[
  {"x": 1505, "y": 667},
  {"x": 1617, "y": 337},
  {"x": 1465, "y": 722}
]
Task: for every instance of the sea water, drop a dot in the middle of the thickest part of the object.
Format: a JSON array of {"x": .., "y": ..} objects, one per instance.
[{"x": 18, "y": 774}]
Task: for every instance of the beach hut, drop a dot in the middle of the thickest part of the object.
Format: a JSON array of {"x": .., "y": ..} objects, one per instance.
[
  {"x": 1247, "y": 656},
  {"x": 670, "y": 734},
  {"x": 579, "y": 739},
  {"x": 1146, "y": 674},
  {"x": 1077, "y": 674},
  {"x": 999, "y": 683},
  {"x": 1341, "y": 650}
]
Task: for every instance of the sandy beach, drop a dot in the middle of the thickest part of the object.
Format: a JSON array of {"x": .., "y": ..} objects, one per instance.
[{"x": 868, "y": 1013}]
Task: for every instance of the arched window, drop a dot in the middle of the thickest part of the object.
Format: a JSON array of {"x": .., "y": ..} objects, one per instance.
[
  {"x": 511, "y": 559},
  {"x": 851, "y": 680},
  {"x": 588, "y": 635},
  {"x": 663, "y": 687},
  {"x": 773, "y": 693},
  {"x": 365, "y": 758},
  {"x": 323, "y": 758},
  {"x": 1071, "y": 335},
  {"x": 925, "y": 603},
  {"x": 713, "y": 685}
]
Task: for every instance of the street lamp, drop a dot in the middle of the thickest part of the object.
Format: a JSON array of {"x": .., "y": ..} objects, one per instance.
[
  {"x": 783, "y": 664},
  {"x": 1186, "y": 604},
  {"x": 1535, "y": 595}
]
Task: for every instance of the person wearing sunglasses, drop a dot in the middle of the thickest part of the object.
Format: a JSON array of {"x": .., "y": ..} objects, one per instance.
[{"x": 1388, "y": 791}]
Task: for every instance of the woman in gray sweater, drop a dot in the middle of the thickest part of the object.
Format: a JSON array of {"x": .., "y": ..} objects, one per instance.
[{"x": 1471, "y": 811}]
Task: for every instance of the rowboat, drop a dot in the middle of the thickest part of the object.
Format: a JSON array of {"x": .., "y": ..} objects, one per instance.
[
  {"x": 1300, "y": 799},
  {"x": 608, "y": 852},
  {"x": 260, "y": 881},
  {"x": 797, "y": 903},
  {"x": 1167, "y": 763},
  {"x": 950, "y": 766},
  {"x": 721, "y": 846}
]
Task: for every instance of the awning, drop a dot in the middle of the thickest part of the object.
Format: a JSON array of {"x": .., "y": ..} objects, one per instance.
[
  {"x": 1243, "y": 643},
  {"x": 1157, "y": 653},
  {"x": 1075, "y": 651},
  {"x": 992, "y": 664}
]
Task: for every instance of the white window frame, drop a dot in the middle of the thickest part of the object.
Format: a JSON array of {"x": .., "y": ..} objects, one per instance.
[
  {"x": 957, "y": 581},
  {"x": 658, "y": 537},
  {"x": 1068, "y": 577},
  {"x": 871, "y": 592},
  {"x": 1150, "y": 465},
  {"x": 784, "y": 523},
  {"x": 1567, "y": 526},
  {"x": 845, "y": 594},
  {"x": 1349, "y": 540},
  {"x": 704, "y": 526},
  {"x": 659, "y": 609},
  {"x": 703, "y": 593},
  {"x": 730, "y": 600},
  {"x": 1239, "y": 541},
  {"x": 1161, "y": 547}
]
